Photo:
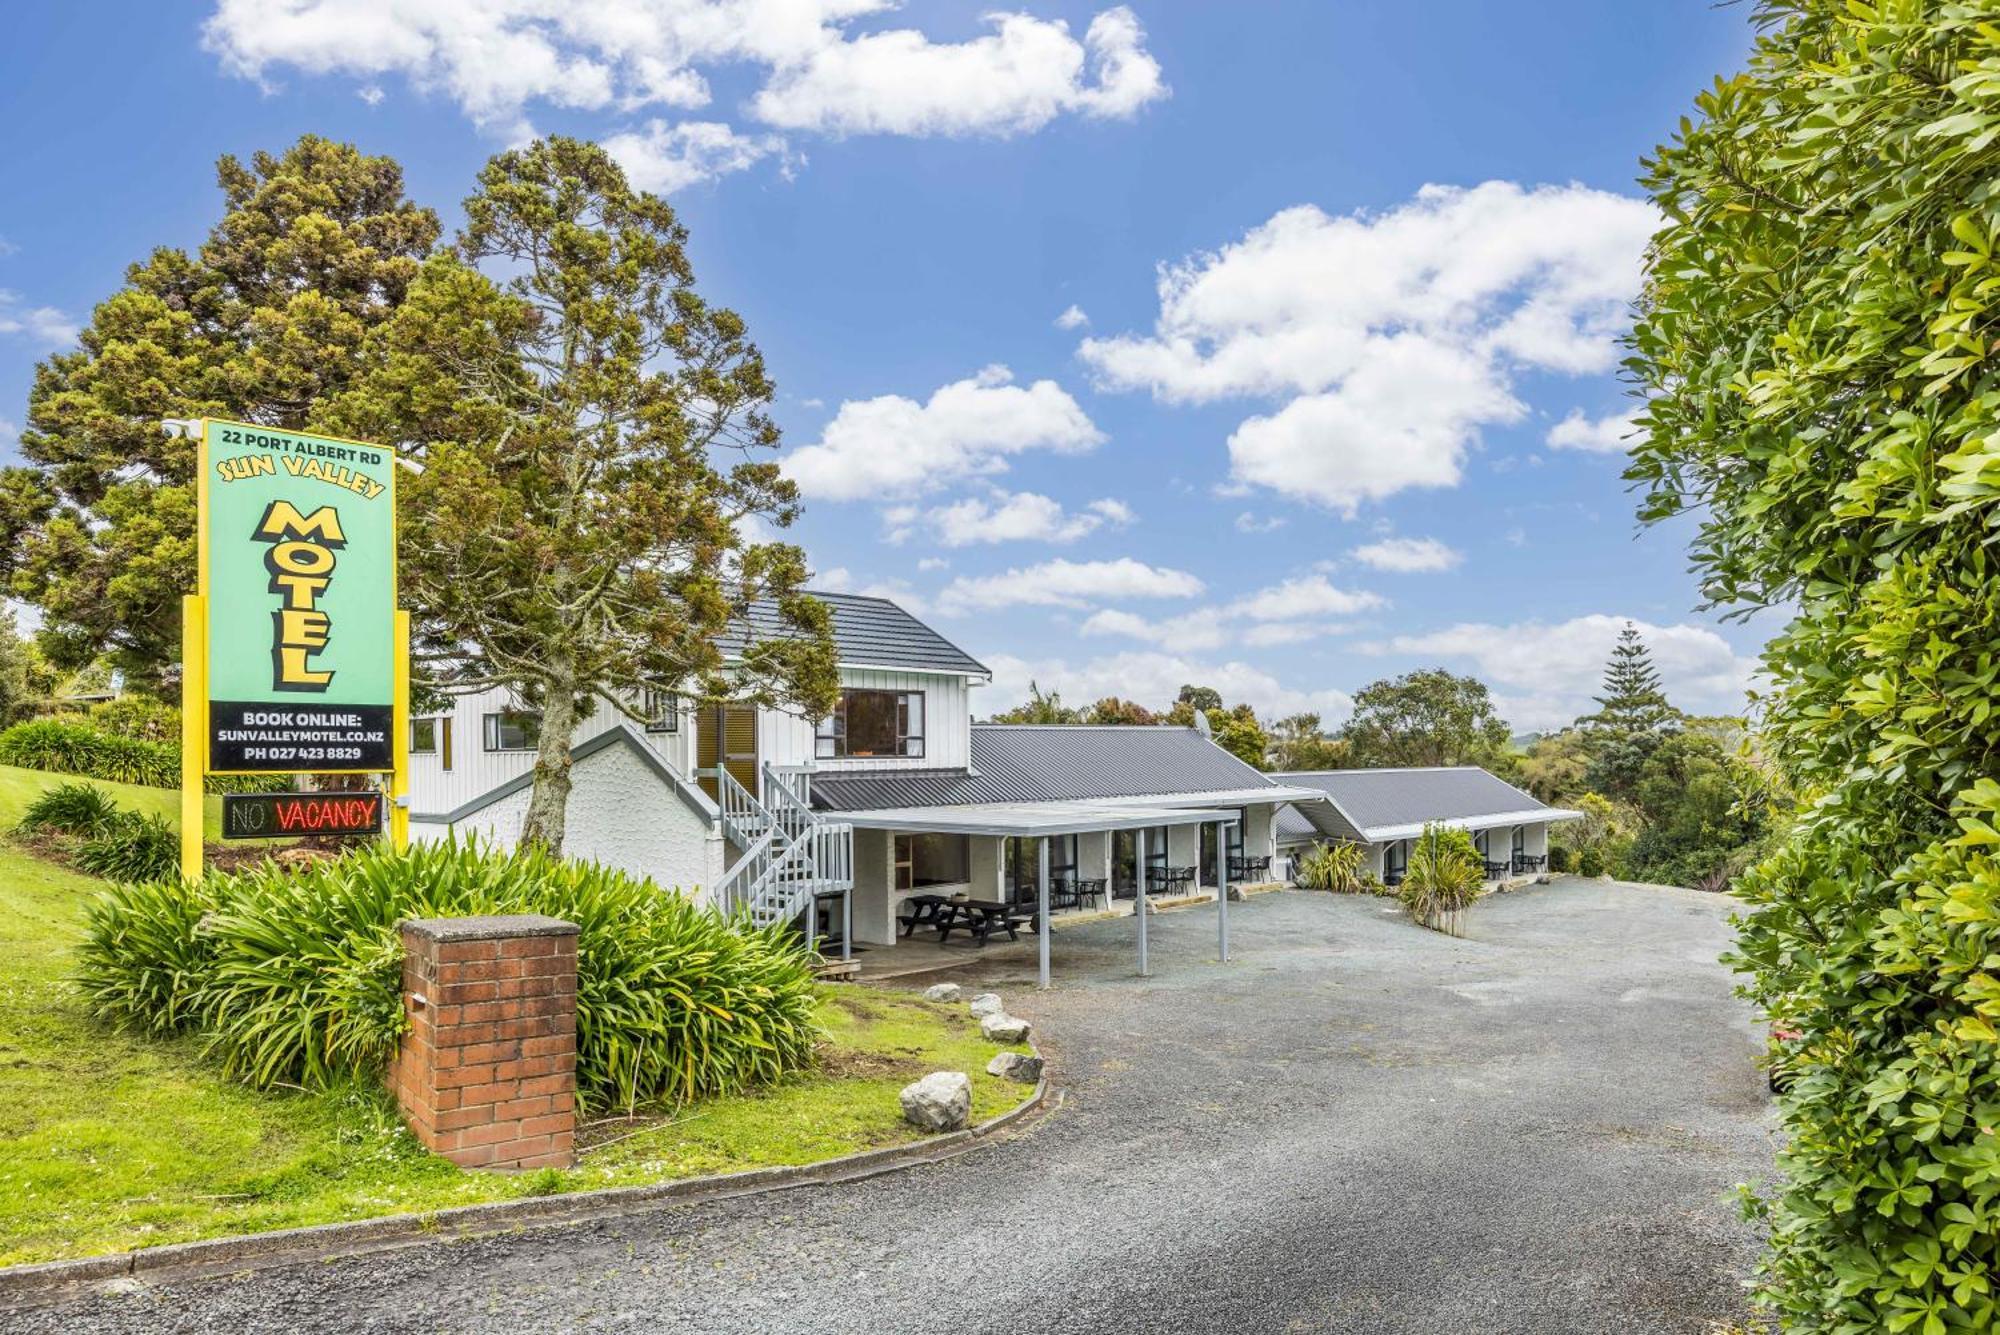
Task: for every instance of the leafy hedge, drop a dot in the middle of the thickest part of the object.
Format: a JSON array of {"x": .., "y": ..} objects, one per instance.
[
  {"x": 1817, "y": 357},
  {"x": 64, "y": 747},
  {"x": 295, "y": 974}
]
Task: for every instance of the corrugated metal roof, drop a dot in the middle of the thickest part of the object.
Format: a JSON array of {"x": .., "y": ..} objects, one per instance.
[
  {"x": 867, "y": 632},
  {"x": 1383, "y": 799},
  {"x": 1291, "y": 825},
  {"x": 1053, "y": 763}
]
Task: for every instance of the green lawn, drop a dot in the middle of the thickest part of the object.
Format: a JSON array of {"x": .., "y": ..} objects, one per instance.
[
  {"x": 18, "y": 787},
  {"x": 109, "y": 1142}
]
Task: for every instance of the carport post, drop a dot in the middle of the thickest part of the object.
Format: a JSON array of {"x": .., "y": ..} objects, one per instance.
[
  {"x": 1139, "y": 873},
  {"x": 1222, "y": 890},
  {"x": 1042, "y": 922}
]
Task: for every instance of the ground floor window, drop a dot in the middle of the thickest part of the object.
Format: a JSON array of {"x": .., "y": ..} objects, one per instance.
[
  {"x": 1124, "y": 861},
  {"x": 1021, "y": 869},
  {"x": 1520, "y": 840},
  {"x": 921, "y": 860},
  {"x": 1234, "y": 845},
  {"x": 1395, "y": 861}
]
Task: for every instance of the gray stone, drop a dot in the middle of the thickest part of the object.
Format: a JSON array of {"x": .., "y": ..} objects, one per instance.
[
  {"x": 1004, "y": 1029},
  {"x": 1018, "y": 1066},
  {"x": 941, "y": 1101},
  {"x": 985, "y": 1004},
  {"x": 1235, "y": 893},
  {"x": 942, "y": 992}
]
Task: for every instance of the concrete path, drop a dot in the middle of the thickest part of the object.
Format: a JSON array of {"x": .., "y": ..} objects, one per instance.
[{"x": 1356, "y": 1126}]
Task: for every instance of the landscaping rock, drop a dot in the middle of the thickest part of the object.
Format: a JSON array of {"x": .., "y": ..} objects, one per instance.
[
  {"x": 942, "y": 992},
  {"x": 1546, "y": 878},
  {"x": 1018, "y": 1066},
  {"x": 1004, "y": 1029},
  {"x": 941, "y": 1101},
  {"x": 1235, "y": 893},
  {"x": 985, "y": 1004}
]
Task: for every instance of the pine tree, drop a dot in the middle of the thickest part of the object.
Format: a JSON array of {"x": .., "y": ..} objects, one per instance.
[{"x": 1632, "y": 716}]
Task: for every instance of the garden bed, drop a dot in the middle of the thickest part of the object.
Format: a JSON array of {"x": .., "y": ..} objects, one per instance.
[{"x": 109, "y": 1142}]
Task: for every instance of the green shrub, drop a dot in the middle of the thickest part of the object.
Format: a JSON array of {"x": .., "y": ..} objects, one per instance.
[
  {"x": 71, "y": 808},
  {"x": 1442, "y": 879},
  {"x": 131, "y": 847},
  {"x": 1335, "y": 867},
  {"x": 1590, "y": 862},
  {"x": 295, "y": 974},
  {"x": 1558, "y": 858},
  {"x": 138, "y": 716},
  {"x": 63, "y": 746}
]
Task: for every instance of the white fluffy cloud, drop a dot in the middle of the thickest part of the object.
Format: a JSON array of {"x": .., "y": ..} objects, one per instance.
[
  {"x": 1545, "y": 675},
  {"x": 892, "y": 446},
  {"x": 664, "y": 158},
  {"x": 498, "y": 58},
  {"x": 1061, "y": 583},
  {"x": 1015, "y": 79},
  {"x": 1287, "y": 613},
  {"x": 1602, "y": 435},
  {"x": 1388, "y": 341},
  {"x": 1072, "y": 318},
  {"x": 839, "y": 579},
  {"x": 1407, "y": 556},
  {"x": 44, "y": 326},
  {"x": 1021, "y": 516},
  {"x": 1155, "y": 678}
]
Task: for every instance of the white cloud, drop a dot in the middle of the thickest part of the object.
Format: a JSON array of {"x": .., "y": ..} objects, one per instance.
[
  {"x": 1013, "y": 80},
  {"x": 43, "y": 326},
  {"x": 497, "y": 58},
  {"x": 664, "y": 158},
  {"x": 1407, "y": 556},
  {"x": 1062, "y": 583},
  {"x": 930, "y": 563},
  {"x": 1021, "y": 516},
  {"x": 1073, "y": 318},
  {"x": 1154, "y": 679},
  {"x": 1603, "y": 435},
  {"x": 1545, "y": 675},
  {"x": 1307, "y": 596},
  {"x": 1251, "y": 523},
  {"x": 370, "y": 94},
  {"x": 840, "y": 579},
  {"x": 1388, "y": 341},
  {"x": 892, "y": 446}
]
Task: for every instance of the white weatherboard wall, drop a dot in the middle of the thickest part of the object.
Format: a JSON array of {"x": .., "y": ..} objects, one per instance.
[
  {"x": 621, "y": 813},
  {"x": 787, "y": 739},
  {"x": 475, "y": 771}
]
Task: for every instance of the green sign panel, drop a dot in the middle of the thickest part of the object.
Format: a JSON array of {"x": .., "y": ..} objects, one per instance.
[{"x": 299, "y": 568}]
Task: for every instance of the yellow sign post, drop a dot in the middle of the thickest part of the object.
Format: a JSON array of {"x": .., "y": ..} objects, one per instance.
[{"x": 295, "y": 656}]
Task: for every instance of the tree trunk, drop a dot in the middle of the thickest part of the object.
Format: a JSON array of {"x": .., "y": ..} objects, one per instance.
[{"x": 548, "y": 803}]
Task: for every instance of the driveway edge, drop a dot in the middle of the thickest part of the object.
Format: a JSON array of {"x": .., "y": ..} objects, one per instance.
[{"x": 24, "y": 1286}]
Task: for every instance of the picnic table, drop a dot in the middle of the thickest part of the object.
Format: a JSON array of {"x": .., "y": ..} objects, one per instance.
[
  {"x": 921, "y": 910},
  {"x": 981, "y": 918}
]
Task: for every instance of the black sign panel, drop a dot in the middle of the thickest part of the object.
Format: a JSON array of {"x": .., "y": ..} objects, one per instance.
[
  {"x": 284, "y": 815},
  {"x": 261, "y": 738}
]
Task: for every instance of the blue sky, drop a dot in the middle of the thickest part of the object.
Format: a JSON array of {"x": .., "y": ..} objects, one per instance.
[{"x": 1268, "y": 345}]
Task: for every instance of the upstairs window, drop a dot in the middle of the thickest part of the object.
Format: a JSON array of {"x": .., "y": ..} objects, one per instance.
[
  {"x": 662, "y": 710},
  {"x": 873, "y": 724},
  {"x": 513, "y": 730}
]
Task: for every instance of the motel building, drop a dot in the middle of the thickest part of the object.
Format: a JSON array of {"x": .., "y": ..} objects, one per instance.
[{"x": 894, "y": 817}]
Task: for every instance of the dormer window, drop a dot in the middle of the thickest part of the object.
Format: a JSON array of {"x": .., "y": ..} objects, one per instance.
[{"x": 873, "y": 724}]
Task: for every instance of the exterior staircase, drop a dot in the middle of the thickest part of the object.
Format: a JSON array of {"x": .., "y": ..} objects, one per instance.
[{"x": 790, "y": 855}]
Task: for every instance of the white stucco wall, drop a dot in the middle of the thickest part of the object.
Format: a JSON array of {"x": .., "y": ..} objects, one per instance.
[
  {"x": 622, "y": 814},
  {"x": 875, "y": 901}
]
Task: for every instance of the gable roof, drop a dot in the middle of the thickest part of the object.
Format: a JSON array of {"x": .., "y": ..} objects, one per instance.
[
  {"x": 867, "y": 632},
  {"x": 1030, "y": 762},
  {"x": 1382, "y": 804}
]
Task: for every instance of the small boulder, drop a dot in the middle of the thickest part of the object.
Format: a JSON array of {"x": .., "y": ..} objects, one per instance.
[
  {"x": 1004, "y": 1029},
  {"x": 1235, "y": 894},
  {"x": 942, "y": 992},
  {"x": 941, "y": 1101},
  {"x": 1017, "y": 1066},
  {"x": 985, "y": 1004}
]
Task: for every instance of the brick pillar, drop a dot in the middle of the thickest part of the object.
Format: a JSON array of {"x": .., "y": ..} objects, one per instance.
[{"x": 486, "y": 1074}]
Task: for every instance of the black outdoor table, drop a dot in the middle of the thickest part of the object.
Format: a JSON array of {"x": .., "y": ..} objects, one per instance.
[
  {"x": 1529, "y": 861},
  {"x": 980, "y": 917},
  {"x": 1495, "y": 870},
  {"x": 1090, "y": 888},
  {"x": 919, "y": 910}
]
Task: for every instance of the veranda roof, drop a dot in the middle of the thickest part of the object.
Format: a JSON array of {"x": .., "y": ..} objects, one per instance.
[{"x": 1030, "y": 820}]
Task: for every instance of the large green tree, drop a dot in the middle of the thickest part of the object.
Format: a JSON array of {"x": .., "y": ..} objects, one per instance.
[
  {"x": 1298, "y": 742},
  {"x": 266, "y": 322},
  {"x": 1631, "y": 719},
  {"x": 1817, "y": 344},
  {"x": 594, "y": 441},
  {"x": 1427, "y": 717}
]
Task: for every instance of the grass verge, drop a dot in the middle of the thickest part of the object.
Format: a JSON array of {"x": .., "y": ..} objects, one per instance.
[{"x": 109, "y": 1142}]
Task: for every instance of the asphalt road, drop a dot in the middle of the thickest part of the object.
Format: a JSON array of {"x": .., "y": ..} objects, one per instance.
[{"x": 1355, "y": 1126}]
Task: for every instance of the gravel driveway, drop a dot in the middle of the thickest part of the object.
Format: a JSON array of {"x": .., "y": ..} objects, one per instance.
[{"x": 1356, "y": 1126}]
